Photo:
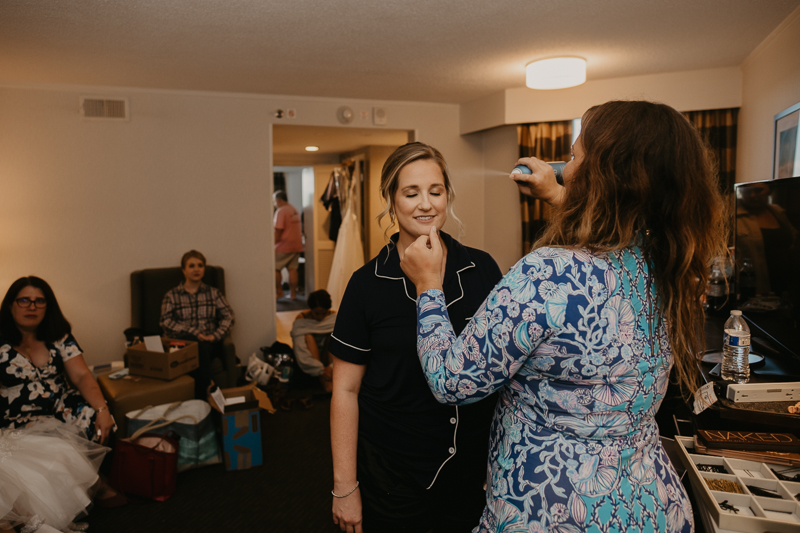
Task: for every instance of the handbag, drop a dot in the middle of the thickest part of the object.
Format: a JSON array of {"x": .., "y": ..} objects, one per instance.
[
  {"x": 146, "y": 465},
  {"x": 191, "y": 420}
]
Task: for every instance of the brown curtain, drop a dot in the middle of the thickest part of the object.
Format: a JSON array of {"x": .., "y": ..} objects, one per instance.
[
  {"x": 718, "y": 128},
  {"x": 548, "y": 141}
]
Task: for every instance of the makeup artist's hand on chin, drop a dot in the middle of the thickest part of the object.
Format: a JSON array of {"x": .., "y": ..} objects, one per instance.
[
  {"x": 541, "y": 183},
  {"x": 422, "y": 262}
]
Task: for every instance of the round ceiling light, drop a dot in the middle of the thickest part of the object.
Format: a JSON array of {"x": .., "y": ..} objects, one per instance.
[
  {"x": 555, "y": 73},
  {"x": 312, "y": 148}
]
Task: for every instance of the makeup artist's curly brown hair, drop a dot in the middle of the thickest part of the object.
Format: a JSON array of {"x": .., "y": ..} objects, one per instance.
[{"x": 648, "y": 177}]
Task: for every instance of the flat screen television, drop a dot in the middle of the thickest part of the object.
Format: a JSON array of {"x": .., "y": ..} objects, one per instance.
[{"x": 767, "y": 229}]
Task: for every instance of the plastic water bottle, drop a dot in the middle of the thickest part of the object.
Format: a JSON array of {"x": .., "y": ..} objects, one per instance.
[
  {"x": 715, "y": 289},
  {"x": 736, "y": 349}
]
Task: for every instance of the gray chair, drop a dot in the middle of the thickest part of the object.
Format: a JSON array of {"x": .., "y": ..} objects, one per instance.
[{"x": 148, "y": 288}]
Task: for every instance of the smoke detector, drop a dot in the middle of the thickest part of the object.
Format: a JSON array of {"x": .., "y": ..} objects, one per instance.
[{"x": 345, "y": 115}]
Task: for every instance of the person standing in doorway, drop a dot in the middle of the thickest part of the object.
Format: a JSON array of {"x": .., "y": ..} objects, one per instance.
[{"x": 288, "y": 243}]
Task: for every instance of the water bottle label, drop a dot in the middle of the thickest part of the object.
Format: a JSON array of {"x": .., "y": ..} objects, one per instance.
[{"x": 732, "y": 339}]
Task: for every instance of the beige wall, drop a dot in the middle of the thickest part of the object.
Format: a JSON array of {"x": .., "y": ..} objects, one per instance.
[
  {"x": 503, "y": 231},
  {"x": 771, "y": 83},
  {"x": 377, "y": 156},
  {"x": 87, "y": 203},
  {"x": 686, "y": 91}
]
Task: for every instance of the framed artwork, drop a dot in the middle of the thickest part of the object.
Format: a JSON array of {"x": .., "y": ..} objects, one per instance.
[{"x": 787, "y": 144}]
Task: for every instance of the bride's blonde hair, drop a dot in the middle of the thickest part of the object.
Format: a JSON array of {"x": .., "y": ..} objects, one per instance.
[{"x": 408, "y": 153}]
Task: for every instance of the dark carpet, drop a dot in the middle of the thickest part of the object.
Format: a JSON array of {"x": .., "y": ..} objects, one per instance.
[{"x": 289, "y": 493}]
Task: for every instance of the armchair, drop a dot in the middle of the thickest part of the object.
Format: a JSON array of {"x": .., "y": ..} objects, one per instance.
[{"x": 148, "y": 288}]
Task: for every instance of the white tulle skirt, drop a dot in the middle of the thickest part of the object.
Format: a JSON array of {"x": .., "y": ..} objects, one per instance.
[{"x": 46, "y": 470}]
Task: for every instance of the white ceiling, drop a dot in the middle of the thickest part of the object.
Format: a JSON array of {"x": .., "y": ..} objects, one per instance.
[{"x": 418, "y": 50}]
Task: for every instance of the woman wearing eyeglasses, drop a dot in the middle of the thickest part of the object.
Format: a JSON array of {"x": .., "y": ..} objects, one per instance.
[
  {"x": 37, "y": 355},
  {"x": 52, "y": 432}
]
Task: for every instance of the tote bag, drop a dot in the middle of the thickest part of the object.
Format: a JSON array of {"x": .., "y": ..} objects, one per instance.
[
  {"x": 191, "y": 421},
  {"x": 145, "y": 465}
]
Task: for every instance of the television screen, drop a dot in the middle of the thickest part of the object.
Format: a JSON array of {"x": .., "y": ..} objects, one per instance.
[{"x": 767, "y": 253}]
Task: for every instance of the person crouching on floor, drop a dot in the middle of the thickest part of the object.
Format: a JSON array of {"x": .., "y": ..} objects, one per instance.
[{"x": 311, "y": 332}]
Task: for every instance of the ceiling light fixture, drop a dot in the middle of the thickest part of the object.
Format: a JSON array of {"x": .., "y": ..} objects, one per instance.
[
  {"x": 312, "y": 148},
  {"x": 555, "y": 73}
]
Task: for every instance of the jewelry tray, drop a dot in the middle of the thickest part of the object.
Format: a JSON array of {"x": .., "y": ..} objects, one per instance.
[{"x": 756, "y": 514}]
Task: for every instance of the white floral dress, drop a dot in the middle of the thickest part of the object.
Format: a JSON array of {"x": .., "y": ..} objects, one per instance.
[
  {"x": 29, "y": 393},
  {"x": 581, "y": 358}
]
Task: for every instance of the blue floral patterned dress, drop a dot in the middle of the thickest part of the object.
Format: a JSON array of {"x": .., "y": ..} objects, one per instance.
[{"x": 581, "y": 358}]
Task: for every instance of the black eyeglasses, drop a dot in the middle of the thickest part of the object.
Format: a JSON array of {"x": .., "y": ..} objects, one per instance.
[{"x": 27, "y": 302}]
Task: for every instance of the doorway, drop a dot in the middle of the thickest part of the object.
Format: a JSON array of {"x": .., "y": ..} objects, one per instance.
[{"x": 307, "y": 175}]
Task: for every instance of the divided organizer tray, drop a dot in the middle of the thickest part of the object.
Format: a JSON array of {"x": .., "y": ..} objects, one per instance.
[{"x": 756, "y": 513}]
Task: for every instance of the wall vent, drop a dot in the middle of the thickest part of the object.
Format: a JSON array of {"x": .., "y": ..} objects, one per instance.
[{"x": 93, "y": 108}]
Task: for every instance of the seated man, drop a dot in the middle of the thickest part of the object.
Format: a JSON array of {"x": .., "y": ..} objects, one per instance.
[
  {"x": 311, "y": 332},
  {"x": 194, "y": 311}
]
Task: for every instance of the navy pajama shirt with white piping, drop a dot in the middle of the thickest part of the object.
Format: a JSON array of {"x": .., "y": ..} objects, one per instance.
[{"x": 399, "y": 418}]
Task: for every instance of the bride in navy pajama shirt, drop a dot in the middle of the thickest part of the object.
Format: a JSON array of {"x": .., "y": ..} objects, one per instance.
[{"x": 402, "y": 461}]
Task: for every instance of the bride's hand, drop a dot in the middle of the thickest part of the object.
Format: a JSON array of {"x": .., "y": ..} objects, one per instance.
[{"x": 105, "y": 425}]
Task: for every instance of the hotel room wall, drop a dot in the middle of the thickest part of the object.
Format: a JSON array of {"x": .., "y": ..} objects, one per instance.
[
  {"x": 86, "y": 203},
  {"x": 771, "y": 83},
  {"x": 503, "y": 229}
]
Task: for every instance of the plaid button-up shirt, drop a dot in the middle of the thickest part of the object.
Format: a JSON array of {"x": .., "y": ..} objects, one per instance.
[{"x": 205, "y": 312}]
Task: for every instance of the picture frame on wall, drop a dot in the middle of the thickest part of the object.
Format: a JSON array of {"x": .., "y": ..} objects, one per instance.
[{"x": 786, "y": 163}]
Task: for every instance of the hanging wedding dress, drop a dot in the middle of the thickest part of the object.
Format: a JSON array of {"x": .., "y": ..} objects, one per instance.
[{"x": 348, "y": 255}]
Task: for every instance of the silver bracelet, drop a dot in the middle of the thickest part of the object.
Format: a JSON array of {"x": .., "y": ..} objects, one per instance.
[{"x": 346, "y": 495}]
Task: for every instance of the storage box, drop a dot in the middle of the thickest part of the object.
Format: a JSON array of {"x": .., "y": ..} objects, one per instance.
[
  {"x": 167, "y": 365},
  {"x": 241, "y": 426},
  {"x": 753, "y": 512},
  {"x": 135, "y": 392}
]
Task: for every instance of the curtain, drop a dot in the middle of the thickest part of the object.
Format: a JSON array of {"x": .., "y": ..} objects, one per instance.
[
  {"x": 548, "y": 141},
  {"x": 718, "y": 128}
]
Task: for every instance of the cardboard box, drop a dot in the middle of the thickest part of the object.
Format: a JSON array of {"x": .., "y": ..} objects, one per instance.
[
  {"x": 168, "y": 365},
  {"x": 241, "y": 426},
  {"x": 135, "y": 392}
]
